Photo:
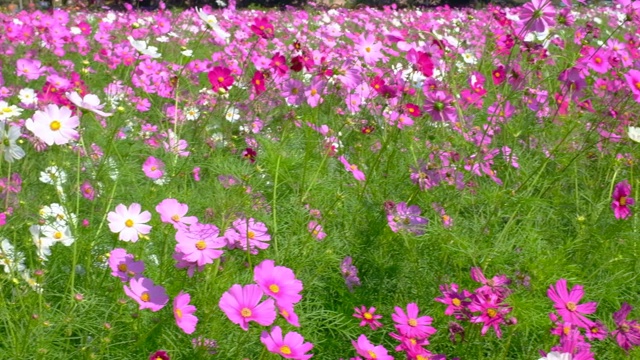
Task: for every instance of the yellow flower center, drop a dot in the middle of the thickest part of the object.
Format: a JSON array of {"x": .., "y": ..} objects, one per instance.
[
  {"x": 492, "y": 313},
  {"x": 220, "y": 79},
  {"x": 245, "y": 312},
  {"x": 413, "y": 322},
  {"x": 274, "y": 288},
  {"x": 145, "y": 297},
  {"x": 571, "y": 306},
  {"x": 284, "y": 313},
  {"x": 595, "y": 330},
  {"x": 55, "y": 125},
  {"x": 367, "y": 315},
  {"x": 154, "y": 168},
  {"x": 175, "y": 218},
  {"x": 284, "y": 349},
  {"x": 128, "y": 223},
  {"x": 294, "y": 91},
  {"x": 57, "y": 235},
  {"x": 122, "y": 267},
  {"x": 598, "y": 60},
  {"x": 251, "y": 234},
  {"x": 638, "y": 85},
  {"x": 372, "y": 354},
  {"x": 367, "y": 49},
  {"x": 201, "y": 245},
  {"x": 314, "y": 92},
  {"x": 179, "y": 313},
  {"x": 456, "y": 302},
  {"x": 623, "y": 201},
  {"x": 257, "y": 82}
]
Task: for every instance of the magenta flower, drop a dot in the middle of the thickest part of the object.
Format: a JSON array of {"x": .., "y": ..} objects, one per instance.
[
  {"x": 316, "y": 230},
  {"x": 627, "y": 332},
  {"x": 123, "y": 265},
  {"x": 492, "y": 312},
  {"x": 220, "y": 78},
  {"x": 439, "y": 105},
  {"x": 159, "y": 355},
  {"x": 183, "y": 312},
  {"x": 129, "y": 222},
  {"x": 410, "y": 325},
  {"x": 279, "y": 282},
  {"x": 457, "y": 302},
  {"x": 199, "y": 243},
  {"x": 368, "y": 317},
  {"x": 263, "y": 28},
  {"x": 369, "y": 351},
  {"x": 147, "y": 294},
  {"x": 566, "y": 303},
  {"x": 289, "y": 314},
  {"x": 537, "y": 15},
  {"x": 621, "y": 200},
  {"x": 353, "y": 169},
  {"x": 633, "y": 80},
  {"x": 242, "y": 304},
  {"x": 292, "y": 346},
  {"x": 496, "y": 285},
  {"x": 153, "y": 168},
  {"x": 403, "y": 217},
  {"x": 87, "y": 191},
  {"x": 173, "y": 212}
]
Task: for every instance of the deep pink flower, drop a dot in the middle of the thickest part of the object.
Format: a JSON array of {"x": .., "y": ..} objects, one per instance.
[
  {"x": 258, "y": 82},
  {"x": 369, "y": 351},
  {"x": 87, "y": 191},
  {"x": 457, "y": 302},
  {"x": 289, "y": 314},
  {"x": 292, "y": 346},
  {"x": 160, "y": 354},
  {"x": 566, "y": 303},
  {"x": 279, "y": 282},
  {"x": 153, "y": 168},
  {"x": 263, "y": 28},
  {"x": 621, "y": 200},
  {"x": 123, "y": 265},
  {"x": 633, "y": 80},
  {"x": 368, "y": 317},
  {"x": 183, "y": 313},
  {"x": 220, "y": 78},
  {"x": 496, "y": 285},
  {"x": 409, "y": 324},
  {"x": 242, "y": 304},
  {"x": 439, "y": 105},
  {"x": 147, "y": 294},
  {"x": 492, "y": 312}
]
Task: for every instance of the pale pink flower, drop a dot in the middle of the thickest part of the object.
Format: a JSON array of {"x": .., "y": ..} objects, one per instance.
[
  {"x": 54, "y": 125},
  {"x": 89, "y": 102},
  {"x": 129, "y": 222}
]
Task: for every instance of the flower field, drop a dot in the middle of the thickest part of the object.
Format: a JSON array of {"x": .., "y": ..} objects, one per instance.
[{"x": 337, "y": 184}]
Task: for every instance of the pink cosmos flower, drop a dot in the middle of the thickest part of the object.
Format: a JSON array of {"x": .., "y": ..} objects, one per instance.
[
  {"x": 173, "y": 212},
  {"x": 29, "y": 68},
  {"x": 147, "y": 294},
  {"x": 537, "y": 15},
  {"x": 129, "y": 222},
  {"x": 566, "y": 303},
  {"x": 369, "y": 49},
  {"x": 368, "y": 317},
  {"x": 633, "y": 80},
  {"x": 410, "y": 325},
  {"x": 248, "y": 233},
  {"x": 439, "y": 105},
  {"x": 242, "y": 304},
  {"x": 292, "y": 346},
  {"x": 314, "y": 92},
  {"x": 369, "y": 351},
  {"x": 54, "y": 125},
  {"x": 220, "y": 78},
  {"x": 279, "y": 282},
  {"x": 153, "y": 168},
  {"x": 621, "y": 200},
  {"x": 89, "y": 102},
  {"x": 357, "y": 173},
  {"x": 183, "y": 313},
  {"x": 289, "y": 314},
  {"x": 199, "y": 243},
  {"x": 457, "y": 301},
  {"x": 492, "y": 312},
  {"x": 122, "y": 265},
  {"x": 263, "y": 28},
  {"x": 258, "y": 82},
  {"x": 403, "y": 217},
  {"x": 87, "y": 191},
  {"x": 316, "y": 230},
  {"x": 627, "y": 332}
]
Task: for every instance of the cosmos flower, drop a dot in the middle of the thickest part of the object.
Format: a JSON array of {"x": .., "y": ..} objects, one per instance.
[
  {"x": 147, "y": 294},
  {"x": 242, "y": 304},
  {"x": 566, "y": 303},
  {"x": 183, "y": 313},
  {"x": 54, "y": 125},
  {"x": 279, "y": 282},
  {"x": 291, "y": 346},
  {"x": 621, "y": 200},
  {"x": 129, "y": 222},
  {"x": 89, "y": 102}
]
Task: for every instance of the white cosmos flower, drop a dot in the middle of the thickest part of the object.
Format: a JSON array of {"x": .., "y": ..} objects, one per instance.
[
  {"x": 53, "y": 175},
  {"x": 557, "y": 356},
  {"x": 144, "y": 48},
  {"x": 634, "y": 133},
  {"x": 8, "y": 111},
  {"x": 11, "y": 259},
  {"x": 43, "y": 244},
  {"x": 89, "y": 102},
  {"x": 187, "y": 53},
  {"x": 8, "y": 144},
  {"x": 232, "y": 114},
  {"x": 61, "y": 234},
  {"x": 28, "y": 96},
  {"x": 212, "y": 21}
]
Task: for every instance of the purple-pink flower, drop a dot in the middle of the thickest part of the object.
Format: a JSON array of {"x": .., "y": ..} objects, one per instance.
[
  {"x": 242, "y": 304},
  {"x": 123, "y": 265},
  {"x": 146, "y": 293},
  {"x": 353, "y": 169},
  {"x": 199, "y": 243},
  {"x": 369, "y": 351},
  {"x": 279, "y": 282},
  {"x": 621, "y": 200},
  {"x": 566, "y": 303},
  {"x": 368, "y": 317},
  {"x": 410, "y": 324},
  {"x": 173, "y": 212},
  {"x": 153, "y": 168}
]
